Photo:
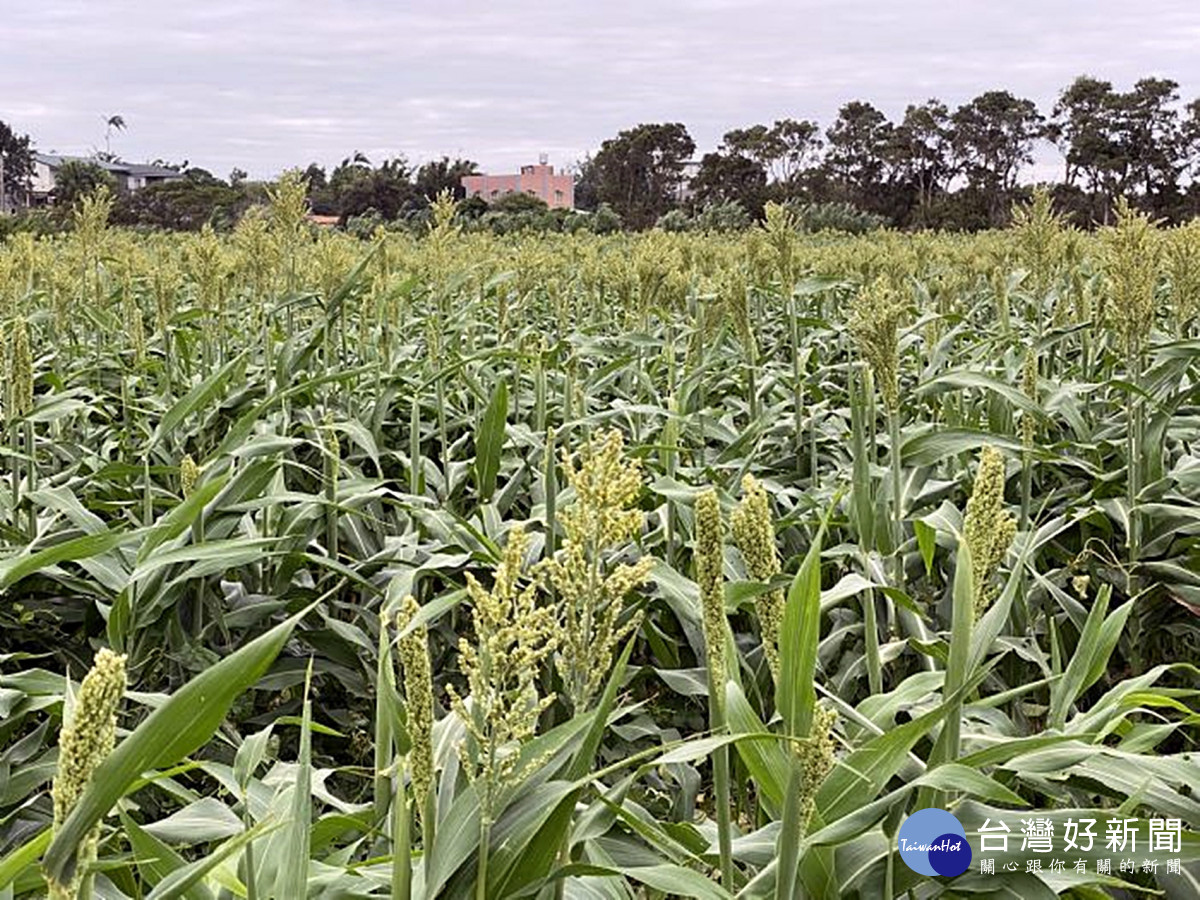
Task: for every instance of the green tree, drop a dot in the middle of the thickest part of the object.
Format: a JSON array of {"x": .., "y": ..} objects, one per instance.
[
  {"x": 16, "y": 161},
  {"x": 923, "y": 148},
  {"x": 586, "y": 187},
  {"x": 727, "y": 176},
  {"x": 516, "y": 202},
  {"x": 444, "y": 174},
  {"x": 784, "y": 150},
  {"x": 77, "y": 178},
  {"x": 857, "y": 160},
  {"x": 1084, "y": 125},
  {"x": 388, "y": 189},
  {"x": 1153, "y": 136},
  {"x": 994, "y": 136},
  {"x": 187, "y": 204},
  {"x": 1120, "y": 144},
  {"x": 640, "y": 171}
]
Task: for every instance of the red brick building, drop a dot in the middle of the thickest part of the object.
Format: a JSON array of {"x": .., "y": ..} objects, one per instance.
[{"x": 558, "y": 190}]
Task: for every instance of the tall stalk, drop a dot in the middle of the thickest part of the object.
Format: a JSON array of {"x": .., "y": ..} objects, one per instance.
[
  {"x": 893, "y": 423},
  {"x": 709, "y": 565}
]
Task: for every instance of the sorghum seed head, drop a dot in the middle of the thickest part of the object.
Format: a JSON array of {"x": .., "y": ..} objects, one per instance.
[
  {"x": 189, "y": 475},
  {"x": 987, "y": 526},
  {"x": 418, "y": 694},
  {"x": 875, "y": 317},
  {"x": 709, "y": 563},
  {"x": 754, "y": 534},
  {"x": 86, "y": 740},
  {"x": 20, "y": 370}
]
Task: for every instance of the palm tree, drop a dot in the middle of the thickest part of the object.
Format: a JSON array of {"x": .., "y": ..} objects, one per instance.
[{"x": 111, "y": 124}]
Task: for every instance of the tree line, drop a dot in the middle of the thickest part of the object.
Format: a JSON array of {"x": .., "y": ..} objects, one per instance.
[{"x": 936, "y": 167}]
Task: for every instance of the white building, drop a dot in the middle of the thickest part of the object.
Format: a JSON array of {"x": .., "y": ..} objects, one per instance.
[{"x": 129, "y": 176}]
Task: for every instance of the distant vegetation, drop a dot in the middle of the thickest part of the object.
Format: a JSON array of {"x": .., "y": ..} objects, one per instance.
[{"x": 936, "y": 168}]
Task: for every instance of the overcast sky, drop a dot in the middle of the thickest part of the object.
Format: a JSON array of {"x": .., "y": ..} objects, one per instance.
[{"x": 268, "y": 84}]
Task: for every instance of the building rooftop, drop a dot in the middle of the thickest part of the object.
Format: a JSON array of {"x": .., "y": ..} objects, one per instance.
[{"x": 124, "y": 168}]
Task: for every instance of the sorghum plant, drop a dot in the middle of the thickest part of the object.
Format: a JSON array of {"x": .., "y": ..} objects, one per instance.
[{"x": 589, "y": 589}]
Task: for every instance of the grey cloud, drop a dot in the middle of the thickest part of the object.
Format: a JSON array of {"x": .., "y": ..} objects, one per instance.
[{"x": 264, "y": 84}]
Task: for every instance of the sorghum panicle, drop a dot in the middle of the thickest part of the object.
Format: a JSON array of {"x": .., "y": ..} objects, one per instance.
[
  {"x": 987, "y": 526},
  {"x": 86, "y": 740},
  {"x": 418, "y": 696},
  {"x": 754, "y": 534},
  {"x": 590, "y": 591},
  {"x": 709, "y": 562},
  {"x": 875, "y": 317},
  {"x": 189, "y": 474},
  {"x": 1132, "y": 250},
  {"x": 20, "y": 370},
  {"x": 513, "y": 635},
  {"x": 816, "y": 753}
]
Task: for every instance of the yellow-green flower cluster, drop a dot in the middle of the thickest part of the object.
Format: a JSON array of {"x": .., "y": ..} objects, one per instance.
[
  {"x": 1040, "y": 236},
  {"x": 90, "y": 216},
  {"x": 754, "y": 534},
  {"x": 987, "y": 526},
  {"x": 513, "y": 635},
  {"x": 590, "y": 592},
  {"x": 816, "y": 754},
  {"x": 86, "y": 740},
  {"x": 875, "y": 317},
  {"x": 189, "y": 474},
  {"x": 418, "y": 696},
  {"x": 1132, "y": 251},
  {"x": 1183, "y": 265},
  {"x": 780, "y": 227},
  {"x": 710, "y": 578},
  {"x": 20, "y": 371},
  {"x": 288, "y": 207}
]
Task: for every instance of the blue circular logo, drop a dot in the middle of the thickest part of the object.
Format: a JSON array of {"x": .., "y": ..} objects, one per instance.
[{"x": 933, "y": 842}]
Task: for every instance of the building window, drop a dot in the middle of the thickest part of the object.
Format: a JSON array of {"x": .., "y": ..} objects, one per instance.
[{"x": 558, "y": 196}]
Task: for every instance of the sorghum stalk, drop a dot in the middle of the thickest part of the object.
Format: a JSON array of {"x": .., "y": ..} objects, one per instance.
[
  {"x": 513, "y": 635},
  {"x": 1132, "y": 251},
  {"x": 875, "y": 316},
  {"x": 401, "y": 844},
  {"x": 418, "y": 696},
  {"x": 86, "y": 740},
  {"x": 385, "y": 763},
  {"x": 331, "y": 456},
  {"x": 550, "y": 489},
  {"x": 20, "y": 400},
  {"x": 189, "y": 475},
  {"x": 669, "y": 454},
  {"x": 539, "y": 388},
  {"x": 779, "y": 229},
  {"x": 415, "y": 463},
  {"x": 1029, "y": 386},
  {"x": 709, "y": 563},
  {"x": 862, "y": 399}
]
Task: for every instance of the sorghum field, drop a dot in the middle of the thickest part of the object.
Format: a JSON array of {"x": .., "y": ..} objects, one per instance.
[{"x": 668, "y": 565}]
